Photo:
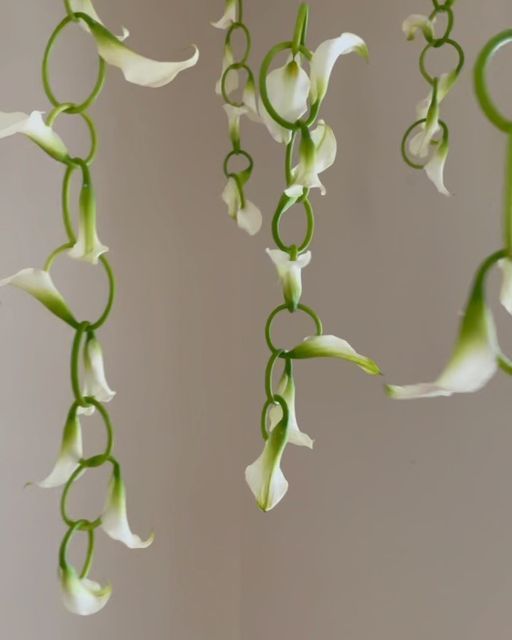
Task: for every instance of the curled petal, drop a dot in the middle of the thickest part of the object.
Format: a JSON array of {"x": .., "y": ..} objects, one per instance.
[
  {"x": 290, "y": 273},
  {"x": 71, "y": 452},
  {"x": 88, "y": 246},
  {"x": 248, "y": 217},
  {"x": 474, "y": 359},
  {"x": 435, "y": 168},
  {"x": 229, "y": 16},
  {"x": 39, "y": 284},
  {"x": 325, "y": 58},
  {"x": 82, "y": 596},
  {"x": 95, "y": 384},
  {"x": 414, "y": 23},
  {"x": 234, "y": 114},
  {"x": 506, "y": 286},
  {"x": 34, "y": 127},
  {"x": 136, "y": 68},
  {"x": 114, "y": 520},
  {"x": 333, "y": 347},
  {"x": 86, "y": 6}
]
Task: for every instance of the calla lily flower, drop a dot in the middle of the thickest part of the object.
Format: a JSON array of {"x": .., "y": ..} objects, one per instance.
[
  {"x": 248, "y": 217},
  {"x": 232, "y": 81},
  {"x": 333, "y": 347},
  {"x": 82, "y": 596},
  {"x": 506, "y": 287},
  {"x": 417, "y": 22},
  {"x": 229, "y": 16},
  {"x": 71, "y": 452},
  {"x": 286, "y": 389},
  {"x": 290, "y": 273},
  {"x": 264, "y": 476},
  {"x": 136, "y": 68},
  {"x": 474, "y": 360},
  {"x": 287, "y": 88},
  {"x": 34, "y": 127},
  {"x": 114, "y": 520},
  {"x": 435, "y": 167},
  {"x": 325, "y": 58},
  {"x": 88, "y": 246},
  {"x": 94, "y": 383},
  {"x": 317, "y": 153},
  {"x": 39, "y": 284}
]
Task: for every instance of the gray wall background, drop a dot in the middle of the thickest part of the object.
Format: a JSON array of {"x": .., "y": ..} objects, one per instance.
[{"x": 398, "y": 526}]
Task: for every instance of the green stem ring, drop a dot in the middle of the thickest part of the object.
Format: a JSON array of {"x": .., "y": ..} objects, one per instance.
[
  {"x": 240, "y": 26},
  {"x": 284, "y": 205},
  {"x": 452, "y": 43},
  {"x": 55, "y": 254},
  {"x": 66, "y": 207},
  {"x": 75, "y": 364},
  {"x": 443, "y": 5},
  {"x": 79, "y": 526},
  {"x": 269, "y": 373},
  {"x": 236, "y": 66},
  {"x": 264, "y": 414},
  {"x": 67, "y": 108},
  {"x": 102, "y": 67},
  {"x": 439, "y": 42},
  {"x": 481, "y": 88},
  {"x": 265, "y": 66},
  {"x": 405, "y": 139},
  {"x": 111, "y": 295},
  {"x": 284, "y": 307},
  {"x": 238, "y": 152}
]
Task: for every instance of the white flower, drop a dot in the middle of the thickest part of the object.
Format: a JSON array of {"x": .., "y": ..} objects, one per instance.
[
  {"x": 474, "y": 360},
  {"x": 287, "y": 89},
  {"x": 286, "y": 389},
  {"x": 88, "y": 246},
  {"x": 248, "y": 217},
  {"x": 38, "y": 283},
  {"x": 232, "y": 81},
  {"x": 414, "y": 23},
  {"x": 264, "y": 476},
  {"x": 82, "y": 596},
  {"x": 94, "y": 382},
  {"x": 33, "y": 126},
  {"x": 136, "y": 68},
  {"x": 71, "y": 452},
  {"x": 506, "y": 287},
  {"x": 435, "y": 167},
  {"x": 86, "y": 6},
  {"x": 333, "y": 347},
  {"x": 290, "y": 273},
  {"x": 114, "y": 520},
  {"x": 325, "y": 58},
  {"x": 234, "y": 114},
  {"x": 317, "y": 153},
  {"x": 229, "y": 16}
]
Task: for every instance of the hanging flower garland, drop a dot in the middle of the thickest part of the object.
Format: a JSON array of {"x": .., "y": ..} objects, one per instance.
[
  {"x": 81, "y": 595},
  {"x": 428, "y": 148},
  {"x": 243, "y": 211},
  {"x": 290, "y": 105},
  {"x": 477, "y": 355}
]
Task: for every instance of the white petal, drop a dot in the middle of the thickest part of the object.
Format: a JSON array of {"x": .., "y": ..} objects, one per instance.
[
  {"x": 250, "y": 102},
  {"x": 229, "y": 16},
  {"x": 136, "y": 68},
  {"x": 326, "y": 146},
  {"x": 286, "y": 389},
  {"x": 95, "y": 383},
  {"x": 83, "y": 597},
  {"x": 231, "y": 197},
  {"x": 315, "y": 156},
  {"x": 232, "y": 80},
  {"x": 435, "y": 168},
  {"x": 88, "y": 246},
  {"x": 289, "y": 272},
  {"x": 415, "y": 22},
  {"x": 36, "y": 129},
  {"x": 249, "y": 218},
  {"x": 71, "y": 452},
  {"x": 473, "y": 363},
  {"x": 114, "y": 520},
  {"x": 86, "y": 6},
  {"x": 38, "y": 283},
  {"x": 325, "y": 58},
  {"x": 506, "y": 286},
  {"x": 327, "y": 346}
]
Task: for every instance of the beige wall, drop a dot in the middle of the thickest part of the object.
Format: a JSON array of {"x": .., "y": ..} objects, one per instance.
[{"x": 398, "y": 525}]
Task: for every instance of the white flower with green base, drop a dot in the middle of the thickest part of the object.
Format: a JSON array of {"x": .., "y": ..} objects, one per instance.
[
  {"x": 70, "y": 455},
  {"x": 229, "y": 16},
  {"x": 418, "y": 22},
  {"x": 290, "y": 273},
  {"x": 34, "y": 127},
  {"x": 82, "y": 596},
  {"x": 114, "y": 520},
  {"x": 248, "y": 216},
  {"x": 95, "y": 383}
]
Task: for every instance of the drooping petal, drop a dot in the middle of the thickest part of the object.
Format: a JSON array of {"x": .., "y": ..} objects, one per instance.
[
  {"x": 231, "y": 197},
  {"x": 287, "y": 89},
  {"x": 249, "y": 218},
  {"x": 136, "y": 68},
  {"x": 95, "y": 384},
  {"x": 71, "y": 452},
  {"x": 414, "y": 23},
  {"x": 435, "y": 168},
  {"x": 114, "y": 520},
  {"x": 82, "y": 596},
  {"x": 264, "y": 476},
  {"x": 234, "y": 114},
  {"x": 473, "y": 362},
  {"x": 250, "y": 102},
  {"x": 286, "y": 389},
  {"x": 88, "y": 246},
  {"x": 333, "y": 347},
  {"x": 325, "y": 58},
  {"x": 33, "y": 126},
  {"x": 232, "y": 80},
  {"x": 229, "y": 16},
  {"x": 290, "y": 273},
  {"x": 506, "y": 286},
  {"x": 39, "y": 284},
  {"x": 86, "y": 6}
]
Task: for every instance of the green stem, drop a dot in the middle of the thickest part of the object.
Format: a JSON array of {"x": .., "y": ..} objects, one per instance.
[
  {"x": 301, "y": 27},
  {"x": 507, "y": 222}
]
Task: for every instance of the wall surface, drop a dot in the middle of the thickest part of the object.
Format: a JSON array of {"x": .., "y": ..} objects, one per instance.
[{"x": 398, "y": 525}]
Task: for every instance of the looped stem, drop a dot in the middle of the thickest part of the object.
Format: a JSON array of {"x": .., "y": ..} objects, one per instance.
[
  {"x": 265, "y": 433},
  {"x": 301, "y": 29}
]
